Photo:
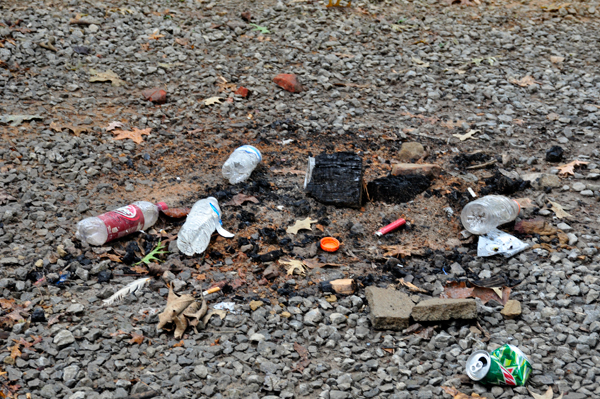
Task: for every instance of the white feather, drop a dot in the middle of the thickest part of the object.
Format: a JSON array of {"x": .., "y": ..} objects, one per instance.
[{"x": 128, "y": 289}]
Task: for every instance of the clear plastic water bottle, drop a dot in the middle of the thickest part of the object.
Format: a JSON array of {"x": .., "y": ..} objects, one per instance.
[
  {"x": 118, "y": 223},
  {"x": 241, "y": 163},
  {"x": 485, "y": 214},
  {"x": 201, "y": 222}
]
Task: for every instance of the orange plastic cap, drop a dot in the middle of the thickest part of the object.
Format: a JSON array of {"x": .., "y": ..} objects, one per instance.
[{"x": 330, "y": 244}]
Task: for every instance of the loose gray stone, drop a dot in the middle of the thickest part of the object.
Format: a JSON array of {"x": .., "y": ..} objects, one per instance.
[
  {"x": 390, "y": 309},
  {"x": 64, "y": 338}
]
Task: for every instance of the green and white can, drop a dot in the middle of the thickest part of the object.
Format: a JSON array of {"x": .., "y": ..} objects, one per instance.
[{"x": 507, "y": 365}]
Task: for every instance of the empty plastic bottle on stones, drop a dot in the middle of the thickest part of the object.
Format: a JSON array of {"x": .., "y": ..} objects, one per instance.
[
  {"x": 118, "y": 223},
  {"x": 241, "y": 163},
  {"x": 202, "y": 221},
  {"x": 485, "y": 214}
]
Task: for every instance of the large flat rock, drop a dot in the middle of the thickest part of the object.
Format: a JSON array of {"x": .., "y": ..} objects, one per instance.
[
  {"x": 438, "y": 309},
  {"x": 390, "y": 309}
]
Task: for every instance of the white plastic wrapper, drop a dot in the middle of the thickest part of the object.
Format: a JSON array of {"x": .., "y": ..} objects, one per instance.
[{"x": 497, "y": 242}]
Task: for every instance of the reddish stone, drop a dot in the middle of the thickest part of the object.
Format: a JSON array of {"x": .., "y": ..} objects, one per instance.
[
  {"x": 156, "y": 95},
  {"x": 246, "y": 16},
  {"x": 242, "y": 91},
  {"x": 229, "y": 100},
  {"x": 289, "y": 82}
]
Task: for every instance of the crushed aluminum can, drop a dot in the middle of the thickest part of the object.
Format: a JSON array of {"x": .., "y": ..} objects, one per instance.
[
  {"x": 390, "y": 227},
  {"x": 506, "y": 365}
]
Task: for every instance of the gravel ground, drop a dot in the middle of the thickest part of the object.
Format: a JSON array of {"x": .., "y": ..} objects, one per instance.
[{"x": 375, "y": 75}]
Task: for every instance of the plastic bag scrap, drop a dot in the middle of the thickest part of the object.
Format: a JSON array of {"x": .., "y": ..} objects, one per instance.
[{"x": 497, "y": 242}]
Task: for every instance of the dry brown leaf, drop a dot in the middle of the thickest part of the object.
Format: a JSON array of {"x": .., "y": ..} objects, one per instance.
[
  {"x": 312, "y": 263},
  {"x": 175, "y": 306},
  {"x": 524, "y": 81},
  {"x": 113, "y": 257},
  {"x": 212, "y": 100},
  {"x": 7, "y": 303},
  {"x": 294, "y": 265},
  {"x": 412, "y": 287},
  {"x": 183, "y": 42},
  {"x": 135, "y": 135},
  {"x": 219, "y": 312},
  {"x": 456, "y": 394},
  {"x": 5, "y": 197},
  {"x": 195, "y": 312},
  {"x": 54, "y": 319},
  {"x": 105, "y": 77},
  {"x": 302, "y": 351},
  {"x": 525, "y": 203},
  {"x": 177, "y": 213},
  {"x": 301, "y": 225},
  {"x": 139, "y": 269},
  {"x": 468, "y": 135},
  {"x": 459, "y": 290},
  {"x": 136, "y": 338},
  {"x": 145, "y": 46},
  {"x": 569, "y": 169},
  {"x": 179, "y": 344},
  {"x": 548, "y": 395},
  {"x": 181, "y": 324},
  {"x": 535, "y": 226},
  {"x": 403, "y": 250},
  {"x": 155, "y": 35},
  {"x": 15, "y": 352},
  {"x": 111, "y": 126},
  {"x": 558, "y": 210},
  {"x": 224, "y": 85},
  {"x": 77, "y": 130},
  {"x": 239, "y": 199}
]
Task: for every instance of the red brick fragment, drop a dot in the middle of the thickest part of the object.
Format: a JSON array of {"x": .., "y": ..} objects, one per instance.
[
  {"x": 156, "y": 95},
  {"x": 289, "y": 82},
  {"x": 242, "y": 91}
]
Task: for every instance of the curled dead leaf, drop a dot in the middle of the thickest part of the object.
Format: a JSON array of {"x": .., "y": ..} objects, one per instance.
[
  {"x": 135, "y": 135},
  {"x": 569, "y": 169},
  {"x": 301, "y": 225},
  {"x": 239, "y": 199},
  {"x": 176, "y": 213},
  {"x": 136, "y": 338}
]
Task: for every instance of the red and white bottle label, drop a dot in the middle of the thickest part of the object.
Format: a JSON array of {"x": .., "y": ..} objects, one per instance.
[{"x": 123, "y": 221}]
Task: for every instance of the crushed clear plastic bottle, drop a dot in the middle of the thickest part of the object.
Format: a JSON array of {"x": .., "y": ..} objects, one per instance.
[
  {"x": 201, "y": 223},
  {"x": 111, "y": 225},
  {"x": 485, "y": 214},
  {"x": 241, "y": 163}
]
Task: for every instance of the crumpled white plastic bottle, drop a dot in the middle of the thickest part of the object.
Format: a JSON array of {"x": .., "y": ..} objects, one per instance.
[
  {"x": 201, "y": 222},
  {"x": 485, "y": 214},
  {"x": 241, "y": 163}
]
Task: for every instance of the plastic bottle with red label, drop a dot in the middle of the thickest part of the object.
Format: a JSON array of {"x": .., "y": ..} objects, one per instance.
[{"x": 118, "y": 223}]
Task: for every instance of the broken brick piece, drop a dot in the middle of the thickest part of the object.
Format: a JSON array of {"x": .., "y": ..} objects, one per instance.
[
  {"x": 289, "y": 82},
  {"x": 439, "y": 309},
  {"x": 390, "y": 309},
  {"x": 156, "y": 95},
  {"x": 424, "y": 169},
  {"x": 242, "y": 91}
]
